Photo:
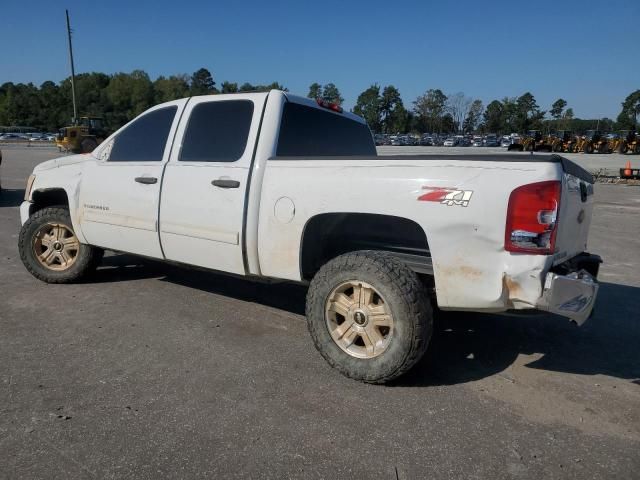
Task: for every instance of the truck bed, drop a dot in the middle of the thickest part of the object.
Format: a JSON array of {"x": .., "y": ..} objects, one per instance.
[{"x": 567, "y": 165}]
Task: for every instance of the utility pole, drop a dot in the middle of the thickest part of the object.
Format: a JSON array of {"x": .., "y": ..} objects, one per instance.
[{"x": 73, "y": 72}]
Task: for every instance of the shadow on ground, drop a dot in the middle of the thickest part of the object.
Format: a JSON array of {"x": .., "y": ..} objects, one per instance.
[
  {"x": 465, "y": 346},
  {"x": 11, "y": 197},
  {"x": 469, "y": 347}
]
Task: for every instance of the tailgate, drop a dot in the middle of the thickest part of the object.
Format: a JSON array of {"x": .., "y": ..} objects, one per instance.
[{"x": 576, "y": 206}]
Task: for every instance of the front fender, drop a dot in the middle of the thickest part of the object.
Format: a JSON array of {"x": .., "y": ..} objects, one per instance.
[{"x": 67, "y": 178}]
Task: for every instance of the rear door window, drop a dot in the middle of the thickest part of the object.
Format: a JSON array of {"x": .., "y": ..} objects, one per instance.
[
  {"x": 217, "y": 131},
  {"x": 309, "y": 131},
  {"x": 145, "y": 138}
]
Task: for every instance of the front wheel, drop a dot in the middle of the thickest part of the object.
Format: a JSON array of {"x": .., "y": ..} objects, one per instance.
[
  {"x": 369, "y": 316},
  {"x": 50, "y": 250}
]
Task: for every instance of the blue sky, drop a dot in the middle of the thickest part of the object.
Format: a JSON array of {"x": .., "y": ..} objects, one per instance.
[{"x": 585, "y": 52}]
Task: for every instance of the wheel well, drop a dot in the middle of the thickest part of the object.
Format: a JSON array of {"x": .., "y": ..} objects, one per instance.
[
  {"x": 48, "y": 198},
  {"x": 331, "y": 234}
]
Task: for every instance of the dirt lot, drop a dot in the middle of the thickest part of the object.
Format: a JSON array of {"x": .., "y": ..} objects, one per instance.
[{"x": 153, "y": 371}]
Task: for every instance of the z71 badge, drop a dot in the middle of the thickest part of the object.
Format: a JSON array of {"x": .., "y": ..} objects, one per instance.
[{"x": 447, "y": 196}]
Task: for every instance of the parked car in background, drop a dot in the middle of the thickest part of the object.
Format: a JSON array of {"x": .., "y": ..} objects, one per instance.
[
  {"x": 426, "y": 140},
  {"x": 505, "y": 142},
  {"x": 438, "y": 140},
  {"x": 38, "y": 137},
  {"x": 381, "y": 139},
  {"x": 477, "y": 141},
  {"x": 11, "y": 137},
  {"x": 411, "y": 140},
  {"x": 449, "y": 142},
  {"x": 491, "y": 141}
]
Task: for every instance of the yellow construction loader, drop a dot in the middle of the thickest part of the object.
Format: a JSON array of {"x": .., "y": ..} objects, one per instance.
[{"x": 83, "y": 136}]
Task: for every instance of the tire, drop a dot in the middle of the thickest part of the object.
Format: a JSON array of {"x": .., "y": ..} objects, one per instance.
[
  {"x": 88, "y": 145},
  {"x": 622, "y": 148},
  {"x": 557, "y": 147},
  {"x": 32, "y": 237},
  {"x": 588, "y": 148},
  {"x": 396, "y": 289}
]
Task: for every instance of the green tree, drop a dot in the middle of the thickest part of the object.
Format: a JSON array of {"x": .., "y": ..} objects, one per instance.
[
  {"x": 368, "y": 107},
  {"x": 628, "y": 117},
  {"x": 567, "y": 117},
  {"x": 474, "y": 117},
  {"x": 330, "y": 93},
  {"x": 315, "y": 91},
  {"x": 430, "y": 108},
  {"x": 393, "y": 115},
  {"x": 528, "y": 114},
  {"x": 21, "y": 105},
  {"x": 202, "y": 83},
  {"x": 229, "y": 87},
  {"x": 493, "y": 117},
  {"x": 248, "y": 87},
  {"x": 448, "y": 123},
  {"x": 171, "y": 88},
  {"x": 129, "y": 94},
  {"x": 558, "y": 108}
]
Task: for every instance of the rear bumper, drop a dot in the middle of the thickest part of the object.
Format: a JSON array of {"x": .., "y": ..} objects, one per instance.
[{"x": 571, "y": 289}]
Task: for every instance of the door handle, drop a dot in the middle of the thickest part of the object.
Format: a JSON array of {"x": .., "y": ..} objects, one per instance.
[
  {"x": 225, "y": 183},
  {"x": 147, "y": 180}
]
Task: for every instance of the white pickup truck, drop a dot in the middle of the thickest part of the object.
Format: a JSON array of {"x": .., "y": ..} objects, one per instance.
[{"x": 277, "y": 186}]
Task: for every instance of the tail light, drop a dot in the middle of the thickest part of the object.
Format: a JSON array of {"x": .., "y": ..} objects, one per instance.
[{"x": 532, "y": 218}]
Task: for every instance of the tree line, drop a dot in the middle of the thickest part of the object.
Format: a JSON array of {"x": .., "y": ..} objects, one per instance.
[
  {"x": 120, "y": 97},
  {"x": 436, "y": 112},
  {"x": 117, "y": 98}
]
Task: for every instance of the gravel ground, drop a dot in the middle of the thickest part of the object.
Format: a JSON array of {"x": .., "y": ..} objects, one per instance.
[{"x": 155, "y": 371}]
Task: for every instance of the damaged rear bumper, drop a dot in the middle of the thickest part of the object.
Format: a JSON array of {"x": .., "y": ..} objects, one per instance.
[{"x": 570, "y": 290}]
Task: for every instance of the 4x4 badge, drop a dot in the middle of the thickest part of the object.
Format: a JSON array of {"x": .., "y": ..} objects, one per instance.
[{"x": 447, "y": 196}]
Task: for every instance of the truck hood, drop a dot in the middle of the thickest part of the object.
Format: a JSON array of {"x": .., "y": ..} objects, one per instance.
[{"x": 61, "y": 162}]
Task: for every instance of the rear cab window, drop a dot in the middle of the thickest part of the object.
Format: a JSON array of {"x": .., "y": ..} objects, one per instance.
[{"x": 307, "y": 131}]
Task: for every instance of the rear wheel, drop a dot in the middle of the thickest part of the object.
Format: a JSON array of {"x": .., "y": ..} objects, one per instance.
[
  {"x": 369, "y": 316},
  {"x": 588, "y": 148},
  {"x": 50, "y": 249},
  {"x": 88, "y": 145}
]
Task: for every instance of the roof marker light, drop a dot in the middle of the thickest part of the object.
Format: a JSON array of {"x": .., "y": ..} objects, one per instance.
[{"x": 328, "y": 105}]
